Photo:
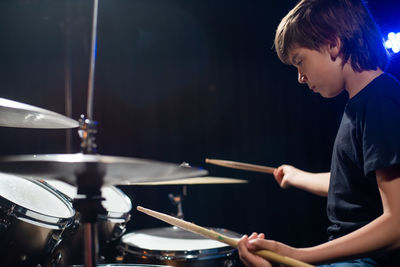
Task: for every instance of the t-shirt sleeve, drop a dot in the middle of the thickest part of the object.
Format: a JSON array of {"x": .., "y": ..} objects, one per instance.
[{"x": 381, "y": 134}]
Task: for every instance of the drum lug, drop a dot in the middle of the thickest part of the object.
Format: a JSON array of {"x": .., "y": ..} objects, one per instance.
[
  {"x": 53, "y": 242},
  {"x": 4, "y": 225},
  {"x": 229, "y": 263},
  {"x": 118, "y": 231},
  {"x": 11, "y": 210},
  {"x": 75, "y": 225},
  {"x": 56, "y": 260}
]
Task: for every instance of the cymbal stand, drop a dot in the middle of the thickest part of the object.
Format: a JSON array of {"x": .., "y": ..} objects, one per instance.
[
  {"x": 177, "y": 201},
  {"x": 87, "y": 131},
  {"x": 88, "y": 200},
  {"x": 90, "y": 180}
]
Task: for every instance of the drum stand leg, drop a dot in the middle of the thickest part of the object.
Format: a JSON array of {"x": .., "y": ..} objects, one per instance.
[
  {"x": 91, "y": 247},
  {"x": 88, "y": 204}
]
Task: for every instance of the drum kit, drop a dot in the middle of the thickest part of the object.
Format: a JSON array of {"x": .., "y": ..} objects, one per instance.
[{"x": 65, "y": 209}]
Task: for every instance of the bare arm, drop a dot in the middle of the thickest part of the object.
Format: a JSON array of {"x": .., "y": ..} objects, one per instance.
[
  {"x": 316, "y": 183},
  {"x": 382, "y": 234}
]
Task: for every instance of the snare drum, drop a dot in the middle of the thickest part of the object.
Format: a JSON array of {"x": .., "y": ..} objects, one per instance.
[
  {"x": 110, "y": 227},
  {"x": 176, "y": 247},
  {"x": 125, "y": 265},
  {"x": 32, "y": 220}
]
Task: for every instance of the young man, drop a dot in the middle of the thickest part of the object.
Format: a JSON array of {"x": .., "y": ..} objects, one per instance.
[{"x": 335, "y": 45}]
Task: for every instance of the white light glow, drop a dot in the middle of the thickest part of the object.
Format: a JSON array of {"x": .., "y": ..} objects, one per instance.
[{"x": 393, "y": 42}]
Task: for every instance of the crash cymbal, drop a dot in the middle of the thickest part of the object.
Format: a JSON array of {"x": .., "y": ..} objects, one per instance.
[
  {"x": 15, "y": 114},
  {"x": 118, "y": 170},
  {"x": 195, "y": 181}
]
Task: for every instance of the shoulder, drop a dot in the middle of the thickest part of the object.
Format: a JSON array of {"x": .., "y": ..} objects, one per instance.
[
  {"x": 383, "y": 90},
  {"x": 384, "y": 86}
]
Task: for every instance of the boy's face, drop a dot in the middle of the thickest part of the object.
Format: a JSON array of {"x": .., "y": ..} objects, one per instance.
[{"x": 321, "y": 70}]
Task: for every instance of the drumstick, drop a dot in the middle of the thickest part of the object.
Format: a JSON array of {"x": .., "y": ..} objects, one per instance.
[
  {"x": 191, "y": 227},
  {"x": 241, "y": 165}
]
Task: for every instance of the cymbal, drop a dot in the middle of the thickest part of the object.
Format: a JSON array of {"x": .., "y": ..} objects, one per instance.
[
  {"x": 195, "y": 181},
  {"x": 118, "y": 170},
  {"x": 19, "y": 115}
]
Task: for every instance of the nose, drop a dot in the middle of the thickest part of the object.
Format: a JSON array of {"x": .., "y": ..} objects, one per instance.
[{"x": 302, "y": 78}]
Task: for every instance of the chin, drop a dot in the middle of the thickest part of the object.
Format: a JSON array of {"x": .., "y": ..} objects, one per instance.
[{"x": 330, "y": 94}]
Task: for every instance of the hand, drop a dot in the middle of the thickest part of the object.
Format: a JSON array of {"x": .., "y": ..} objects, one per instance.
[
  {"x": 256, "y": 242},
  {"x": 248, "y": 258},
  {"x": 285, "y": 174}
]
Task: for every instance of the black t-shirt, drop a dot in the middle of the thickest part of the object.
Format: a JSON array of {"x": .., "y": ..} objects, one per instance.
[{"x": 368, "y": 139}]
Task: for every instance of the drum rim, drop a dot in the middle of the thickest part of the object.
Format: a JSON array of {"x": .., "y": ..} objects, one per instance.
[{"x": 25, "y": 214}]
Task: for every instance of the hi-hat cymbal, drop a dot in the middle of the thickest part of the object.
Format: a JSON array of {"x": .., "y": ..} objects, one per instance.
[
  {"x": 15, "y": 114},
  {"x": 195, "y": 181},
  {"x": 118, "y": 170}
]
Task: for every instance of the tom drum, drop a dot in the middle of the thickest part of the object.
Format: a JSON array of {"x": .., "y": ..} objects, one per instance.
[{"x": 33, "y": 218}]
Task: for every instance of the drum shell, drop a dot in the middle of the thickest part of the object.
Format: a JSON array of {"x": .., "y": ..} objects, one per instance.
[
  {"x": 26, "y": 244},
  {"x": 28, "y": 237},
  {"x": 209, "y": 257}
]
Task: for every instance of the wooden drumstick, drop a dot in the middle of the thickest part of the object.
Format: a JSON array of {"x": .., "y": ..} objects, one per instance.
[
  {"x": 191, "y": 227},
  {"x": 241, "y": 165}
]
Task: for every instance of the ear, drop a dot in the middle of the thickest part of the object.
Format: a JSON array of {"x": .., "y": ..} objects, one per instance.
[{"x": 334, "y": 48}]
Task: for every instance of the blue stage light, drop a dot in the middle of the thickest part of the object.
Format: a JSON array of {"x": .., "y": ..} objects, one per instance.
[{"x": 393, "y": 42}]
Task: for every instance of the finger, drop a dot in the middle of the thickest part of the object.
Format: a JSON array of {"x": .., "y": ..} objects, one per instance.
[
  {"x": 260, "y": 244},
  {"x": 242, "y": 250},
  {"x": 253, "y": 235},
  {"x": 248, "y": 258}
]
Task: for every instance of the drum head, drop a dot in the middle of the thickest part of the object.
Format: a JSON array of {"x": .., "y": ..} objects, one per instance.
[
  {"x": 181, "y": 243},
  {"x": 34, "y": 197},
  {"x": 116, "y": 202},
  {"x": 126, "y": 265}
]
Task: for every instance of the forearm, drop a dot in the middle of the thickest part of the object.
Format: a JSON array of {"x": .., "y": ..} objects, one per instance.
[
  {"x": 381, "y": 234},
  {"x": 316, "y": 183}
]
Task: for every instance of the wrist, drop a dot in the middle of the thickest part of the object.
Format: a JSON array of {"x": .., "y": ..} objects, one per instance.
[
  {"x": 294, "y": 179},
  {"x": 306, "y": 255}
]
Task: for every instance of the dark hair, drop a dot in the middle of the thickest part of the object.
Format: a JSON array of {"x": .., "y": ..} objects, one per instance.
[{"x": 314, "y": 23}]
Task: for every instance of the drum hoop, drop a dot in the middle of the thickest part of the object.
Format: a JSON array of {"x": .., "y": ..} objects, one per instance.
[
  {"x": 25, "y": 214},
  {"x": 52, "y": 188}
]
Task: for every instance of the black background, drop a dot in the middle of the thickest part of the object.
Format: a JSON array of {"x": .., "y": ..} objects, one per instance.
[{"x": 180, "y": 81}]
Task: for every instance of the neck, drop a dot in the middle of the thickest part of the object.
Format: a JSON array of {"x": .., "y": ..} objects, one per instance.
[{"x": 357, "y": 81}]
